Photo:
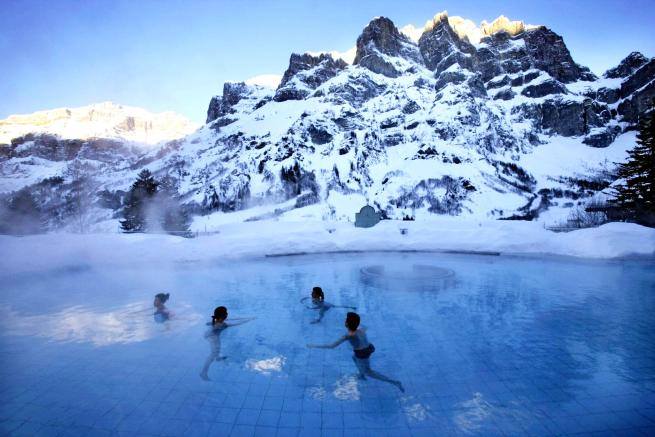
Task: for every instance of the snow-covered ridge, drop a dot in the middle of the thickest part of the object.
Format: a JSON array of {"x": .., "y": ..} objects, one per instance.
[
  {"x": 101, "y": 120},
  {"x": 270, "y": 81}
]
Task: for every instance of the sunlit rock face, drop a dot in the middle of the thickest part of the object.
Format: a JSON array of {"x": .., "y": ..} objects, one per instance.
[
  {"x": 494, "y": 120},
  {"x": 103, "y": 120},
  {"x": 468, "y": 30},
  {"x": 503, "y": 24},
  {"x": 441, "y": 47}
]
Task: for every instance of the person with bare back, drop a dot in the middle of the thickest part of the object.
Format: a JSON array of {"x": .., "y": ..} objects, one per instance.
[
  {"x": 217, "y": 326},
  {"x": 362, "y": 350}
]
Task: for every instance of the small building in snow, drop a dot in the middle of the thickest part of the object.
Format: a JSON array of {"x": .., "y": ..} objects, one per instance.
[{"x": 366, "y": 217}]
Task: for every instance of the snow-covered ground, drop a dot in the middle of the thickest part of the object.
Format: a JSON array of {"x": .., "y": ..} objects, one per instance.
[{"x": 270, "y": 237}]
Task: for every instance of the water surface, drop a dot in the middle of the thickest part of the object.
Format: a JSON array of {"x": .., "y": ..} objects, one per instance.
[{"x": 484, "y": 345}]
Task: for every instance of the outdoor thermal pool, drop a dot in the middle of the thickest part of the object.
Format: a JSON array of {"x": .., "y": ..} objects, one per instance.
[{"x": 483, "y": 345}]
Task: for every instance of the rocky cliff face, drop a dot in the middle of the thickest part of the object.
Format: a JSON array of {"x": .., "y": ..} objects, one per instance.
[
  {"x": 237, "y": 98},
  {"x": 306, "y": 73},
  {"x": 497, "y": 121},
  {"x": 379, "y": 44}
]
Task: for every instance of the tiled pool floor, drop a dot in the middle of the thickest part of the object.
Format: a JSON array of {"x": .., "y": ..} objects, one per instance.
[{"x": 508, "y": 346}]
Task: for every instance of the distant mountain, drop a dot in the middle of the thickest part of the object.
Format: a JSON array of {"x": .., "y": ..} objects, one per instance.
[
  {"x": 102, "y": 120},
  {"x": 490, "y": 121}
]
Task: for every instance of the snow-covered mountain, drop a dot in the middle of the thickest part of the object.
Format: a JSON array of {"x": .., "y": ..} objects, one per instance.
[
  {"x": 103, "y": 120},
  {"x": 494, "y": 121},
  {"x": 109, "y": 137}
]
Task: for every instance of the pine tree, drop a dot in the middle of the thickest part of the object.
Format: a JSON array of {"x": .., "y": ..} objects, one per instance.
[
  {"x": 137, "y": 202},
  {"x": 636, "y": 195}
]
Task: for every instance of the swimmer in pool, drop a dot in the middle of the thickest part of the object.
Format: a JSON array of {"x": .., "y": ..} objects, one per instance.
[
  {"x": 362, "y": 349},
  {"x": 162, "y": 313},
  {"x": 218, "y": 325},
  {"x": 318, "y": 300}
]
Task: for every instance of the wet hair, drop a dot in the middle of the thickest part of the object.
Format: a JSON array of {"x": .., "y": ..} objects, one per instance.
[
  {"x": 220, "y": 313},
  {"x": 163, "y": 297},
  {"x": 352, "y": 321},
  {"x": 317, "y": 293}
]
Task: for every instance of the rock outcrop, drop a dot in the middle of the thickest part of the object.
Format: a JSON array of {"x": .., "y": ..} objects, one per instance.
[
  {"x": 379, "y": 41},
  {"x": 441, "y": 47},
  {"x": 305, "y": 73},
  {"x": 248, "y": 97},
  {"x": 627, "y": 66}
]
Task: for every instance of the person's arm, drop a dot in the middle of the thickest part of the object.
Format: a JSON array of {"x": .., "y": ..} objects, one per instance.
[
  {"x": 240, "y": 322},
  {"x": 315, "y": 307},
  {"x": 328, "y": 346},
  {"x": 321, "y": 313},
  {"x": 344, "y": 306}
]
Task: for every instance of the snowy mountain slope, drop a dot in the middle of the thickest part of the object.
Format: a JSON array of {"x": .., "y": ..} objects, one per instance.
[
  {"x": 495, "y": 121},
  {"x": 510, "y": 126},
  {"x": 37, "y": 146}
]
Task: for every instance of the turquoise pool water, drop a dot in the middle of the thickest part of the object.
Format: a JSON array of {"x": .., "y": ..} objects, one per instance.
[{"x": 483, "y": 346}]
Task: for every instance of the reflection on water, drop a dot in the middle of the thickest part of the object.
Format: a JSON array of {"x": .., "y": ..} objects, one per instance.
[
  {"x": 416, "y": 412},
  {"x": 472, "y": 413},
  {"x": 346, "y": 389},
  {"x": 266, "y": 366},
  {"x": 316, "y": 393},
  {"x": 130, "y": 323},
  {"x": 408, "y": 277}
]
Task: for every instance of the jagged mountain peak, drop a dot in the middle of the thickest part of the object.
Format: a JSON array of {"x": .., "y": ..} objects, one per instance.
[
  {"x": 441, "y": 46},
  {"x": 379, "y": 40},
  {"x": 467, "y": 29},
  {"x": 627, "y": 66},
  {"x": 382, "y": 33},
  {"x": 504, "y": 24},
  {"x": 243, "y": 94},
  {"x": 305, "y": 73}
]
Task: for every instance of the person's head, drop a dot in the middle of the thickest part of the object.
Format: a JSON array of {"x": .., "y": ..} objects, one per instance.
[
  {"x": 161, "y": 298},
  {"x": 220, "y": 314},
  {"x": 352, "y": 321},
  {"x": 317, "y": 293}
]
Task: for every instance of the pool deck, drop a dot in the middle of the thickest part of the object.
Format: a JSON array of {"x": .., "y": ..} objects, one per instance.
[{"x": 276, "y": 238}]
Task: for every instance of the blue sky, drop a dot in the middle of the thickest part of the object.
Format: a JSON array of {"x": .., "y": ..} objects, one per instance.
[{"x": 174, "y": 55}]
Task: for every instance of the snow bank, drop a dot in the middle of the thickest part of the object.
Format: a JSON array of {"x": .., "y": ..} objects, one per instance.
[{"x": 258, "y": 239}]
